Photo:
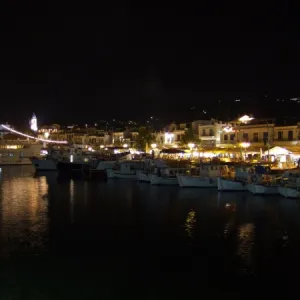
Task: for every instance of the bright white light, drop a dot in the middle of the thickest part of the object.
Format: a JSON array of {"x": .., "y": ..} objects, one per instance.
[
  {"x": 125, "y": 145},
  {"x": 44, "y": 152},
  {"x": 32, "y": 137},
  {"x": 46, "y": 134},
  {"x": 228, "y": 129},
  {"x": 116, "y": 151},
  {"x": 90, "y": 149},
  {"x": 245, "y": 145},
  {"x": 191, "y": 145},
  {"x": 71, "y": 158},
  {"x": 101, "y": 146},
  {"x": 153, "y": 146},
  {"x": 245, "y": 119}
]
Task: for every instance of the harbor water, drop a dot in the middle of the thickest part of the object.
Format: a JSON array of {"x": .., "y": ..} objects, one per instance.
[{"x": 116, "y": 239}]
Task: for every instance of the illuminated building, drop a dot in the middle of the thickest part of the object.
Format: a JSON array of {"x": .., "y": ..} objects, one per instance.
[{"x": 33, "y": 123}]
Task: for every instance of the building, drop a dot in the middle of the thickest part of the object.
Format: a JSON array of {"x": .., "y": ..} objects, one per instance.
[{"x": 209, "y": 132}]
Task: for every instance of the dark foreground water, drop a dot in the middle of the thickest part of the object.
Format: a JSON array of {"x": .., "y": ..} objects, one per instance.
[{"x": 122, "y": 240}]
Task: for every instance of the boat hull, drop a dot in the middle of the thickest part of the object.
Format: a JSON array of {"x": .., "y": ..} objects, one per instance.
[
  {"x": 289, "y": 192},
  {"x": 120, "y": 175},
  {"x": 44, "y": 164},
  {"x": 144, "y": 177},
  {"x": 231, "y": 185},
  {"x": 157, "y": 180},
  {"x": 196, "y": 181},
  {"x": 260, "y": 189}
]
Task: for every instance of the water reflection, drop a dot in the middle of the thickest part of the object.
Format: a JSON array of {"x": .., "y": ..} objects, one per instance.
[
  {"x": 190, "y": 223},
  {"x": 23, "y": 212},
  {"x": 246, "y": 237},
  {"x": 143, "y": 220}
]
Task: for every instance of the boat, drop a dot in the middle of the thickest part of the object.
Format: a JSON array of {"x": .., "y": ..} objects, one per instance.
[
  {"x": 206, "y": 177},
  {"x": 264, "y": 181},
  {"x": 20, "y": 154},
  {"x": 125, "y": 169},
  {"x": 262, "y": 189},
  {"x": 166, "y": 176},
  {"x": 100, "y": 170},
  {"x": 290, "y": 185},
  {"x": 144, "y": 176},
  {"x": 289, "y": 192},
  {"x": 234, "y": 180},
  {"x": 44, "y": 164}
]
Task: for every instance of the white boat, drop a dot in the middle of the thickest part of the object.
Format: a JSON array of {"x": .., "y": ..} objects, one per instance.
[
  {"x": 207, "y": 177},
  {"x": 196, "y": 181},
  {"x": 236, "y": 180},
  {"x": 163, "y": 180},
  {"x": 101, "y": 167},
  {"x": 19, "y": 154},
  {"x": 289, "y": 192},
  {"x": 226, "y": 184},
  {"x": 144, "y": 176},
  {"x": 262, "y": 189},
  {"x": 125, "y": 170},
  {"x": 166, "y": 176}
]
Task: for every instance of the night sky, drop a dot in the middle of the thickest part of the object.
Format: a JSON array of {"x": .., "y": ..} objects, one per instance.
[{"x": 84, "y": 63}]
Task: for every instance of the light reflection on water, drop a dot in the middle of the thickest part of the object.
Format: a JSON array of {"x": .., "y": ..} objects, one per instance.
[
  {"x": 24, "y": 220},
  {"x": 125, "y": 218}
]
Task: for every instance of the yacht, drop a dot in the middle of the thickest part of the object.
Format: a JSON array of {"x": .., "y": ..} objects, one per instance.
[{"x": 19, "y": 154}]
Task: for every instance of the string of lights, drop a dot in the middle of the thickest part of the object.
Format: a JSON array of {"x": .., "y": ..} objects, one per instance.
[{"x": 32, "y": 137}]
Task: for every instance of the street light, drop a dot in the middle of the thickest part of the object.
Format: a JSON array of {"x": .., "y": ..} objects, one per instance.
[
  {"x": 125, "y": 146},
  {"x": 153, "y": 146},
  {"x": 245, "y": 119}
]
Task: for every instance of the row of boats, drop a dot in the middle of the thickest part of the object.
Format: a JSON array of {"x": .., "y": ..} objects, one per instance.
[{"x": 255, "y": 179}]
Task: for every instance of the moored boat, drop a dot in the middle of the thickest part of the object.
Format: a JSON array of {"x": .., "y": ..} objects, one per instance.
[{"x": 289, "y": 192}]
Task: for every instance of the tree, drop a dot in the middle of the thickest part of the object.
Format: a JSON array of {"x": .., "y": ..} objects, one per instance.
[
  {"x": 145, "y": 136},
  {"x": 189, "y": 137}
]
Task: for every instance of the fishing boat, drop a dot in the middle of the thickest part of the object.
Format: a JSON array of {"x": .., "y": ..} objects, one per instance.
[
  {"x": 234, "y": 180},
  {"x": 205, "y": 177},
  {"x": 125, "y": 169},
  {"x": 166, "y": 176}
]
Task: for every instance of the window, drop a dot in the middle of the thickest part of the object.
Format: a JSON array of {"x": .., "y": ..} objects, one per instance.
[
  {"x": 280, "y": 135},
  {"x": 232, "y": 137},
  {"x": 255, "y": 137},
  {"x": 211, "y": 132},
  {"x": 203, "y": 132},
  {"x": 245, "y": 137},
  {"x": 265, "y": 135},
  {"x": 291, "y": 135},
  {"x": 225, "y": 137}
]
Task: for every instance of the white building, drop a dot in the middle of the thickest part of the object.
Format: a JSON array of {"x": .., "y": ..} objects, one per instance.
[{"x": 209, "y": 132}]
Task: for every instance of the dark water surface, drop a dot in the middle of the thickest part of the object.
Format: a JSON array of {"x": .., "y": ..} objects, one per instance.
[{"x": 121, "y": 239}]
